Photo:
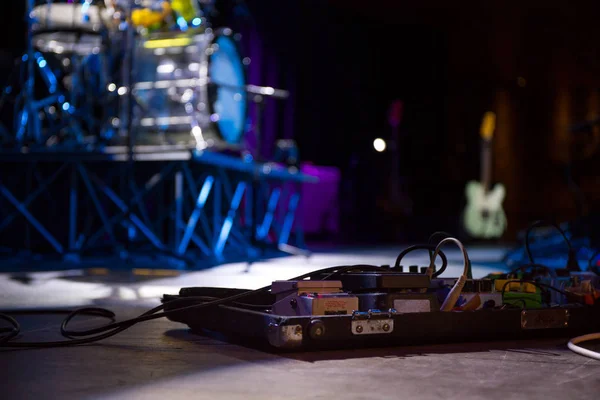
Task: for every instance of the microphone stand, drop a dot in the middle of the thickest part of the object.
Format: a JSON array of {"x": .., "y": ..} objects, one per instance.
[
  {"x": 259, "y": 93},
  {"x": 259, "y": 103}
]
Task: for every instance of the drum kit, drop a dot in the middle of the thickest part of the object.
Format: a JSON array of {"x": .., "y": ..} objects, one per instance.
[{"x": 99, "y": 70}]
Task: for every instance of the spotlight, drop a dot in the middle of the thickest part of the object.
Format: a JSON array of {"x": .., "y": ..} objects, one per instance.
[{"x": 379, "y": 145}]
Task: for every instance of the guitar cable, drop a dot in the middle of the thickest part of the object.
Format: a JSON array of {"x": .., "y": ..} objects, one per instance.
[
  {"x": 430, "y": 249},
  {"x": 7, "y": 334},
  {"x": 572, "y": 265},
  {"x": 113, "y": 328},
  {"x": 446, "y": 235},
  {"x": 456, "y": 290},
  {"x": 573, "y": 345}
]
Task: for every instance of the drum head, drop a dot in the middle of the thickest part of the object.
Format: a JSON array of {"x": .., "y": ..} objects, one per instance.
[
  {"x": 69, "y": 28},
  {"x": 56, "y": 15},
  {"x": 228, "y": 102}
]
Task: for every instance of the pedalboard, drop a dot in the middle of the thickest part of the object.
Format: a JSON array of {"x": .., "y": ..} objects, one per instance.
[
  {"x": 367, "y": 306},
  {"x": 374, "y": 328}
]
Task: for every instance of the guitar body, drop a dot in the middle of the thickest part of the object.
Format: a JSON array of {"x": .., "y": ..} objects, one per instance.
[{"x": 484, "y": 217}]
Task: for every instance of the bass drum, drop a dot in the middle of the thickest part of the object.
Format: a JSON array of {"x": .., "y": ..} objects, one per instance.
[{"x": 190, "y": 90}]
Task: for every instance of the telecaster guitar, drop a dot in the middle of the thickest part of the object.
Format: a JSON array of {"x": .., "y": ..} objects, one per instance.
[{"x": 484, "y": 216}]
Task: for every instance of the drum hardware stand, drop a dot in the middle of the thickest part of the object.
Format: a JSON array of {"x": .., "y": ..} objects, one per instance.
[
  {"x": 28, "y": 123},
  {"x": 28, "y": 128},
  {"x": 75, "y": 84},
  {"x": 254, "y": 239}
]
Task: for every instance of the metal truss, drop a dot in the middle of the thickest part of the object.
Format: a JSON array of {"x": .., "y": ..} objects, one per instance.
[{"x": 187, "y": 206}]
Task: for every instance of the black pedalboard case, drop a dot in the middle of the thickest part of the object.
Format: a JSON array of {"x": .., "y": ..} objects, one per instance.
[{"x": 374, "y": 328}]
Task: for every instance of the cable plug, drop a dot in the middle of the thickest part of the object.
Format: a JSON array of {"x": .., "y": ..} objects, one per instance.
[
  {"x": 472, "y": 304},
  {"x": 429, "y": 271},
  {"x": 454, "y": 294}
]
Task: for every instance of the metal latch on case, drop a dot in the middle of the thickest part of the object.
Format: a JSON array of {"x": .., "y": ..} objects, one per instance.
[
  {"x": 544, "y": 319},
  {"x": 373, "y": 322}
]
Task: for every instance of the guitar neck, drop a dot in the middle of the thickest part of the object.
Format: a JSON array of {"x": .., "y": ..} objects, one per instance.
[{"x": 486, "y": 164}]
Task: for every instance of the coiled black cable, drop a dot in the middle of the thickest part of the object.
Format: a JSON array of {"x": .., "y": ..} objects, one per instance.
[
  {"x": 430, "y": 248},
  {"x": 572, "y": 259}
]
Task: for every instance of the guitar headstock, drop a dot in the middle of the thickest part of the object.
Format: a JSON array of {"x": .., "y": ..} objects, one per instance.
[{"x": 488, "y": 124}]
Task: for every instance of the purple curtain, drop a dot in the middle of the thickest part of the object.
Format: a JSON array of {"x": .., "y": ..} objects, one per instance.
[{"x": 268, "y": 68}]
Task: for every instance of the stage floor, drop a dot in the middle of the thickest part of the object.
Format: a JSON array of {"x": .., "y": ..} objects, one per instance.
[{"x": 162, "y": 359}]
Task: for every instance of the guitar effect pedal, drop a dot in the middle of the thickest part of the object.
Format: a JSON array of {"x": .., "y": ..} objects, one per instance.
[{"x": 312, "y": 298}]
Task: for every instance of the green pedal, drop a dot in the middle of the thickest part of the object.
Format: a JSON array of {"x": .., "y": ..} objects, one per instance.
[{"x": 524, "y": 300}]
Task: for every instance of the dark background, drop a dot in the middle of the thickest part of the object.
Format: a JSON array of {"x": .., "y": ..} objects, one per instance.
[{"x": 535, "y": 63}]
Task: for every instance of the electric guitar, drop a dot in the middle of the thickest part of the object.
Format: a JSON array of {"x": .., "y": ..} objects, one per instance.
[{"x": 484, "y": 217}]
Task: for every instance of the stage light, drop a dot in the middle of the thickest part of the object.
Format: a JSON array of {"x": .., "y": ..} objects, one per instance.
[
  {"x": 165, "y": 68},
  {"x": 379, "y": 144}
]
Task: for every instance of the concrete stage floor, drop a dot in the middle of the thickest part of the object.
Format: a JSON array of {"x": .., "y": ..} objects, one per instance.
[{"x": 162, "y": 359}]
